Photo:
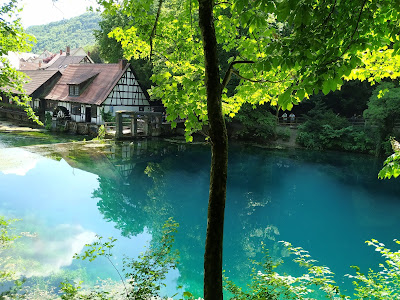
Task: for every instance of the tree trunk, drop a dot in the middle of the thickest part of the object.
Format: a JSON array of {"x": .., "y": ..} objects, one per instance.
[{"x": 219, "y": 159}]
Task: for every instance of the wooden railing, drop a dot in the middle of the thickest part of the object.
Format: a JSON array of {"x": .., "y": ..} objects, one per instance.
[
  {"x": 110, "y": 127},
  {"x": 355, "y": 122}
]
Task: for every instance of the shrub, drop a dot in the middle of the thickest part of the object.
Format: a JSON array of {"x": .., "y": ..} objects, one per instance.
[
  {"x": 324, "y": 129},
  {"x": 283, "y": 133},
  {"x": 257, "y": 123},
  {"x": 48, "y": 119}
]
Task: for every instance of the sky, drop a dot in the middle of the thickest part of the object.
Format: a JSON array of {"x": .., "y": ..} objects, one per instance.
[{"x": 39, "y": 12}]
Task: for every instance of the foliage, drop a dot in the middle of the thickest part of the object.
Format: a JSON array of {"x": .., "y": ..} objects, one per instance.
[
  {"x": 382, "y": 285},
  {"x": 318, "y": 281},
  {"x": 6, "y": 241},
  {"x": 286, "y": 51},
  {"x": 283, "y": 133},
  {"x": 383, "y": 111},
  {"x": 148, "y": 272},
  {"x": 391, "y": 166},
  {"x": 13, "y": 38},
  {"x": 101, "y": 133},
  {"x": 280, "y": 38},
  {"x": 257, "y": 123},
  {"x": 106, "y": 116},
  {"x": 94, "y": 53},
  {"x": 267, "y": 284},
  {"x": 48, "y": 120},
  {"x": 111, "y": 51},
  {"x": 7, "y": 273},
  {"x": 323, "y": 129},
  {"x": 75, "y": 32},
  {"x": 144, "y": 275}
]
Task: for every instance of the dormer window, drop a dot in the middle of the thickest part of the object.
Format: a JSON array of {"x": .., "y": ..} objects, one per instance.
[
  {"x": 79, "y": 83},
  {"x": 74, "y": 90}
]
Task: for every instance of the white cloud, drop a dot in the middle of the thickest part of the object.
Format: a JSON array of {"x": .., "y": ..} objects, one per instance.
[
  {"x": 48, "y": 251},
  {"x": 17, "y": 161}
]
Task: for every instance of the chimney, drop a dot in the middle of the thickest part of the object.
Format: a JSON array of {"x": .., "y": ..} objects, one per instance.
[
  {"x": 68, "y": 50},
  {"x": 60, "y": 51},
  {"x": 40, "y": 64},
  {"x": 88, "y": 53},
  {"x": 123, "y": 63}
]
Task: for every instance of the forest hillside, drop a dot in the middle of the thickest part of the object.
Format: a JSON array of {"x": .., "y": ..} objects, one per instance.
[{"x": 74, "y": 32}]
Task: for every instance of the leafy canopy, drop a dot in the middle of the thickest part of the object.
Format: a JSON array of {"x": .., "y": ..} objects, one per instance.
[
  {"x": 13, "y": 38},
  {"x": 292, "y": 49},
  {"x": 391, "y": 166}
]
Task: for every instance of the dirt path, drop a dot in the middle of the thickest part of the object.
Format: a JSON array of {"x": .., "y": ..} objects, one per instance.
[{"x": 291, "y": 143}]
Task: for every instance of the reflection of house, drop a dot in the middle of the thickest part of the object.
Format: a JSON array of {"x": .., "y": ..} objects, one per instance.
[{"x": 86, "y": 91}]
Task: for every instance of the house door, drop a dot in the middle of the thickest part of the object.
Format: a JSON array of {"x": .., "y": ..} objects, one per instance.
[{"x": 88, "y": 114}]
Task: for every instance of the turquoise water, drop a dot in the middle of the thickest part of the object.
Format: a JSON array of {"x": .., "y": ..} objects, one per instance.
[
  {"x": 19, "y": 139},
  {"x": 327, "y": 203}
]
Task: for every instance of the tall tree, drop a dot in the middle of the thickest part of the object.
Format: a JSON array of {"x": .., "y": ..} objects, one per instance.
[
  {"x": 13, "y": 39},
  {"x": 382, "y": 113},
  {"x": 111, "y": 51},
  {"x": 286, "y": 51}
]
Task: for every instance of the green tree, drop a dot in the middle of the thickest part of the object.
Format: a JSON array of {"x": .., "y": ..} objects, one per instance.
[
  {"x": 13, "y": 38},
  {"x": 286, "y": 51},
  {"x": 382, "y": 113},
  {"x": 94, "y": 53},
  {"x": 111, "y": 51},
  {"x": 324, "y": 129},
  {"x": 391, "y": 166},
  {"x": 256, "y": 123},
  {"x": 75, "y": 32}
]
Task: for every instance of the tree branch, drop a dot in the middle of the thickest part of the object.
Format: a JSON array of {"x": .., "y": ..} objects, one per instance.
[
  {"x": 228, "y": 73},
  {"x": 256, "y": 81},
  {"x": 222, "y": 2},
  {"x": 330, "y": 13},
  {"x": 153, "y": 31},
  {"x": 351, "y": 37},
  {"x": 355, "y": 29}
]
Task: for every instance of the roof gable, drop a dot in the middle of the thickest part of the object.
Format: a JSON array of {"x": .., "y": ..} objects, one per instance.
[
  {"x": 37, "y": 79},
  {"x": 105, "y": 77},
  {"x": 64, "y": 61}
]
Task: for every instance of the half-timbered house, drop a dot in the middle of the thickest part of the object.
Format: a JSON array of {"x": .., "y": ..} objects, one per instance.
[
  {"x": 88, "y": 92},
  {"x": 39, "y": 84}
]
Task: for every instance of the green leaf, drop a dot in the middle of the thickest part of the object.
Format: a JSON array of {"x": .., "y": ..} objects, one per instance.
[{"x": 187, "y": 295}]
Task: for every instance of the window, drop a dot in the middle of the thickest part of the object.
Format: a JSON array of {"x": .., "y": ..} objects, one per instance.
[
  {"x": 74, "y": 90},
  {"x": 51, "y": 105},
  {"x": 76, "y": 109}
]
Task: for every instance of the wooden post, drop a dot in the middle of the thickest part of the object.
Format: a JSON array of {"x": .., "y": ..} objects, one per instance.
[
  {"x": 134, "y": 125},
  {"x": 150, "y": 125},
  {"x": 146, "y": 125},
  {"x": 118, "y": 125}
]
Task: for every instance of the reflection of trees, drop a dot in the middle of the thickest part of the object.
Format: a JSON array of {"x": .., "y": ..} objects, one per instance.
[
  {"x": 174, "y": 183},
  {"x": 141, "y": 184},
  {"x": 145, "y": 184},
  {"x": 128, "y": 204}
]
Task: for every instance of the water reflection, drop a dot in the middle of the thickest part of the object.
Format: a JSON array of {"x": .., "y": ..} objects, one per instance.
[
  {"x": 328, "y": 203},
  {"x": 47, "y": 250}
]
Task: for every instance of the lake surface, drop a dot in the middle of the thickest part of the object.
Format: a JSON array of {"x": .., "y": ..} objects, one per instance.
[{"x": 328, "y": 203}]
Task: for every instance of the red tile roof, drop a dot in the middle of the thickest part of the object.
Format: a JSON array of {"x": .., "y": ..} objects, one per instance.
[
  {"x": 37, "y": 78},
  {"x": 97, "y": 91},
  {"x": 63, "y": 61}
]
